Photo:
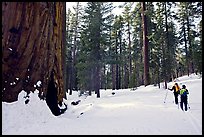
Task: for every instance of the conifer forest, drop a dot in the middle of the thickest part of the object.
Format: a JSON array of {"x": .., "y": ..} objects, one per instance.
[{"x": 91, "y": 48}]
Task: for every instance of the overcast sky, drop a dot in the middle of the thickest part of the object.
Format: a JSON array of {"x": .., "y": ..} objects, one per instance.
[{"x": 115, "y": 11}]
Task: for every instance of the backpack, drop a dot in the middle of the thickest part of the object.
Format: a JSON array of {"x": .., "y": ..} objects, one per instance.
[{"x": 184, "y": 92}]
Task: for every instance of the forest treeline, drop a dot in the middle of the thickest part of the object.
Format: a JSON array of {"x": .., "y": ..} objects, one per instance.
[
  {"x": 149, "y": 43},
  {"x": 91, "y": 48}
]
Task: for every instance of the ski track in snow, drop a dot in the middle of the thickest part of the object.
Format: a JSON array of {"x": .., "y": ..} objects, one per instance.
[
  {"x": 194, "y": 121},
  {"x": 145, "y": 111}
]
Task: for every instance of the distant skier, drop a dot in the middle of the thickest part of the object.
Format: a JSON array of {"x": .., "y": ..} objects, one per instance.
[
  {"x": 176, "y": 89},
  {"x": 184, "y": 97}
]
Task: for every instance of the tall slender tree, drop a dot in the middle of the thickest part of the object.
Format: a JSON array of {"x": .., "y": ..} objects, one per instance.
[{"x": 145, "y": 44}]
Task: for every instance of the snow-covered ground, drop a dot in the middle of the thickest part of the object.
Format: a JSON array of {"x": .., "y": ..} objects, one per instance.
[{"x": 128, "y": 112}]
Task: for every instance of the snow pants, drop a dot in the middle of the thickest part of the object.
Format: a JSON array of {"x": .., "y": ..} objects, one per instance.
[
  {"x": 176, "y": 97},
  {"x": 184, "y": 102}
]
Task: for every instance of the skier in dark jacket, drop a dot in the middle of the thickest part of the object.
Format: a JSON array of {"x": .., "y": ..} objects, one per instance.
[
  {"x": 184, "y": 97},
  {"x": 176, "y": 89}
]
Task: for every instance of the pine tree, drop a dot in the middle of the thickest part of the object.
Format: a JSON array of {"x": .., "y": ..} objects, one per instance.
[
  {"x": 138, "y": 44},
  {"x": 188, "y": 11},
  {"x": 93, "y": 39}
]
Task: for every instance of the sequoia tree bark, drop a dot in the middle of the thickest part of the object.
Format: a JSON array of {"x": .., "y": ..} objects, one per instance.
[{"x": 32, "y": 46}]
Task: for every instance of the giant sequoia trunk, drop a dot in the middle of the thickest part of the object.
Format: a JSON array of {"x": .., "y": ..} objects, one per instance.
[{"x": 32, "y": 45}]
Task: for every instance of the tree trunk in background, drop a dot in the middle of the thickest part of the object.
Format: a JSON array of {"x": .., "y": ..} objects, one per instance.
[
  {"x": 129, "y": 56},
  {"x": 126, "y": 75},
  {"x": 116, "y": 65},
  {"x": 145, "y": 45},
  {"x": 190, "y": 54},
  {"x": 74, "y": 72},
  {"x": 186, "y": 49},
  {"x": 168, "y": 58},
  {"x": 113, "y": 69},
  {"x": 32, "y": 44}
]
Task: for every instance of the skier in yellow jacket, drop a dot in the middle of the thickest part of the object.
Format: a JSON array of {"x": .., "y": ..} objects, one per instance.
[{"x": 176, "y": 89}]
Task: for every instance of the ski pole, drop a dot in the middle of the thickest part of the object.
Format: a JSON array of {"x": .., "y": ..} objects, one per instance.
[
  {"x": 188, "y": 106},
  {"x": 165, "y": 96}
]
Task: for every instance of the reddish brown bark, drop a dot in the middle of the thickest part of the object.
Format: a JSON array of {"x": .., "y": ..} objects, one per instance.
[{"x": 32, "y": 43}]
